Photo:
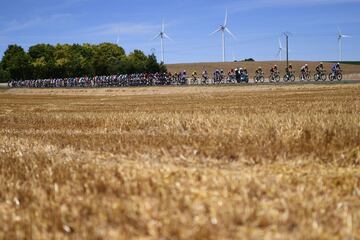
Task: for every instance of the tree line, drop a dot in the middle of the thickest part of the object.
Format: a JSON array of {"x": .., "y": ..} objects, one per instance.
[{"x": 44, "y": 61}]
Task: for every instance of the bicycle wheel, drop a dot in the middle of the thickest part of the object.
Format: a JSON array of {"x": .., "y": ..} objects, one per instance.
[
  {"x": 316, "y": 77},
  {"x": 323, "y": 77},
  {"x": 292, "y": 78},
  {"x": 277, "y": 78},
  {"x": 339, "y": 77},
  {"x": 270, "y": 79}
]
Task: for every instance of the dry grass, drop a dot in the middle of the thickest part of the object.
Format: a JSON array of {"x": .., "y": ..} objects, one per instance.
[
  {"x": 349, "y": 69},
  {"x": 276, "y": 162}
]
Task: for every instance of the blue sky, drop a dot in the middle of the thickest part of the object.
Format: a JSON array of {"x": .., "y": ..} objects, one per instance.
[{"x": 257, "y": 25}]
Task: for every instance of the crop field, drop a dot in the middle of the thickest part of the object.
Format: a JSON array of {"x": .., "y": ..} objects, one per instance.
[
  {"x": 251, "y": 162},
  {"x": 351, "y": 70}
]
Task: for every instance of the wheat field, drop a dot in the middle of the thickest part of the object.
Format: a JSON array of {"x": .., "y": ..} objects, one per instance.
[
  {"x": 350, "y": 71},
  {"x": 265, "y": 162}
]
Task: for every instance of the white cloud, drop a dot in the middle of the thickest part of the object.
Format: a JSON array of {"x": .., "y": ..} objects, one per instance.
[
  {"x": 122, "y": 28},
  {"x": 16, "y": 25}
]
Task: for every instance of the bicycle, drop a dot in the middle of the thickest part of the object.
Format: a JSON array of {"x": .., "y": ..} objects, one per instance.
[
  {"x": 274, "y": 77},
  {"x": 320, "y": 75},
  {"x": 259, "y": 78},
  {"x": 289, "y": 77},
  {"x": 305, "y": 76},
  {"x": 337, "y": 75}
]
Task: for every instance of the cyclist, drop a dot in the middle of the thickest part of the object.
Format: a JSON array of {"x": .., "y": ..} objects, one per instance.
[
  {"x": 205, "y": 76},
  {"x": 259, "y": 71},
  {"x": 304, "y": 70},
  {"x": 241, "y": 71},
  {"x": 336, "y": 68},
  {"x": 289, "y": 69},
  {"x": 320, "y": 68},
  {"x": 245, "y": 71},
  {"x": 274, "y": 70},
  {"x": 194, "y": 75},
  {"x": 176, "y": 76}
]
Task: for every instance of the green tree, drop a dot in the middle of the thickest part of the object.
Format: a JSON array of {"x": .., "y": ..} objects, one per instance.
[
  {"x": 152, "y": 66},
  {"x": 137, "y": 62},
  {"x": 65, "y": 60},
  {"x": 42, "y": 60},
  {"x": 163, "y": 68},
  {"x": 17, "y": 63},
  {"x": 4, "y": 75},
  {"x": 107, "y": 59}
]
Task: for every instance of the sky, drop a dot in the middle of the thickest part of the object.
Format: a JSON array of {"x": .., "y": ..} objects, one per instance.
[{"x": 257, "y": 25}]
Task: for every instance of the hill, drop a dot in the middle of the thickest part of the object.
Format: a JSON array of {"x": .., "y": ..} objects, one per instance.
[{"x": 252, "y": 66}]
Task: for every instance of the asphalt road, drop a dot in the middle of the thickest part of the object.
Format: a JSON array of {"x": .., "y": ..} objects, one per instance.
[{"x": 4, "y": 85}]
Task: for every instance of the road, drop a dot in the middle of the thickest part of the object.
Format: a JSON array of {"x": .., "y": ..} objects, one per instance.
[{"x": 4, "y": 85}]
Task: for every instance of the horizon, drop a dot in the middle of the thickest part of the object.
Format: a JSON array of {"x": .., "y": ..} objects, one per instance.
[{"x": 93, "y": 21}]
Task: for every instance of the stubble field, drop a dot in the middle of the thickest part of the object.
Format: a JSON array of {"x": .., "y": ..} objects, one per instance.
[
  {"x": 264, "y": 162},
  {"x": 351, "y": 71}
]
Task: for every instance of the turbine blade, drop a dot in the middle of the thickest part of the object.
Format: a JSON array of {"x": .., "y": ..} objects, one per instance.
[
  {"x": 278, "y": 53},
  {"x": 163, "y": 26},
  {"x": 346, "y": 36},
  {"x": 215, "y": 31},
  {"x": 157, "y": 36},
  {"x": 280, "y": 45},
  {"x": 226, "y": 18},
  {"x": 167, "y": 36},
  {"x": 117, "y": 37},
  {"x": 339, "y": 31},
  {"x": 228, "y": 31}
]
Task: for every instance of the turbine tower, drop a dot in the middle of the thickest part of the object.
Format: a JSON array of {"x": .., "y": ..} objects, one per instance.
[
  {"x": 162, "y": 35},
  {"x": 280, "y": 50},
  {"x": 223, "y": 28},
  {"x": 118, "y": 36},
  {"x": 340, "y": 38}
]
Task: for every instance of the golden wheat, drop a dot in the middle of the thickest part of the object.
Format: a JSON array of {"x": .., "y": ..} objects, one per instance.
[{"x": 273, "y": 162}]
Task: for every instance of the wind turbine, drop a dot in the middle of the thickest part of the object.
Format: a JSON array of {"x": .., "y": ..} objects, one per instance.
[
  {"x": 280, "y": 50},
  {"x": 118, "y": 37},
  {"x": 162, "y": 35},
  {"x": 340, "y": 38},
  {"x": 223, "y": 28}
]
